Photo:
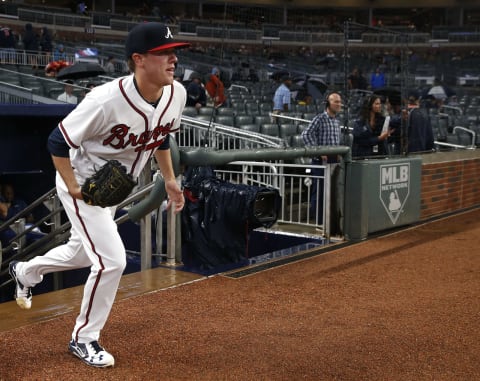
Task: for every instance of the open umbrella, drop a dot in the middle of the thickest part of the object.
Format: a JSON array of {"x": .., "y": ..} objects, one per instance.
[
  {"x": 80, "y": 70},
  {"x": 278, "y": 74},
  {"x": 440, "y": 92},
  {"x": 315, "y": 87},
  {"x": 393, "y": 94}
]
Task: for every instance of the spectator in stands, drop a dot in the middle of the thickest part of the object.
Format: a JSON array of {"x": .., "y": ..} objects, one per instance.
[
  {"x": 110, "y": 65},
  {"x": 237, "y": 75},
  {"x": 456, "y": 57},
  {"x": 31, "y": 45},
  {"x": 215, "y": 88},
  {"x": 82, "y": 8},
  {"x": 377, "y": 79},
  {"x": 440, "y": 93},
  {"x": 413, "y": 60},
  {"x": 53, "y": 68},
  {"x": 88, "y": 87},
  {"x": 411, "y": 27},
  {"x": 59, "y": 54},
  {"x": 323, "y": 130},
  {"x": 369, "y": 130},
  {"x": 453, "y": 101},
  {"x": 10, "y": 206},
  {"x": 283, "y": 96},
  {"x": 46, "y": 45},
  {"x": 67, "y": 96},
  {"x": 196, "y": 94},
  {"x": 8, "y": 44},
  {"x": 252, "y": 75},
  {"x": 303, "y": 97},
  {"x": 356, "y": 80},
  {"x": 331, "y": 59},
  {"x": 420, "y": 132}
]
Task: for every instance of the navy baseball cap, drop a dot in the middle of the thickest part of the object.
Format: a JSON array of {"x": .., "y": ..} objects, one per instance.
[{"x": 150, "y": 37}]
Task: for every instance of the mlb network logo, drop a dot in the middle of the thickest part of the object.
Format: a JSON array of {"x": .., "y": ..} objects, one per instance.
[{"x": 394, "y": 188}]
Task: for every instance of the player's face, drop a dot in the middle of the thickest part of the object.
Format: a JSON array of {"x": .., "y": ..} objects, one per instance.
[{"x": 160, "y": 67}]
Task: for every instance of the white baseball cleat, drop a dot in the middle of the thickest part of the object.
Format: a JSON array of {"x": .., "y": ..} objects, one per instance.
[
  {"x": 91, "y": 354},
  {"x": 23, "y": 295}
]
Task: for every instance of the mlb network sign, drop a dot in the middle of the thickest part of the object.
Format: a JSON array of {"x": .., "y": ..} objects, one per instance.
[{"x": 394, "y": 188}]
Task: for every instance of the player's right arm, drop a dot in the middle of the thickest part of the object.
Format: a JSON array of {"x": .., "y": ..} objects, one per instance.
[{"x": 59, "y": 149}]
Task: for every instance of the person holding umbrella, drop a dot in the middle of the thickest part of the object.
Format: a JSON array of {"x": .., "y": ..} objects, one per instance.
[
  {"x": 439, "y": 93},
  {"x": 215, "y": 88},
  {"x": 81, "y": 70}
]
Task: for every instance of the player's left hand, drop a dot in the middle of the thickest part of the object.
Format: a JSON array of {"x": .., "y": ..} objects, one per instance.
[{"x": 175, "y": 195}]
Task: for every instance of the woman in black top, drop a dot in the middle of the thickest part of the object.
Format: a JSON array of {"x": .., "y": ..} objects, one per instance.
[{"x": 368, "y": 138}]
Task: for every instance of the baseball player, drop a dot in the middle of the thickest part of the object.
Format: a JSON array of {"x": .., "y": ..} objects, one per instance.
[{"x": 129, "y": 120}]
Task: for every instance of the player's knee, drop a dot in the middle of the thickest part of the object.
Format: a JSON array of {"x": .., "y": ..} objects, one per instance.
[
  {"x": 120, "y": 264},
  {"x": 116, "y": 266}
]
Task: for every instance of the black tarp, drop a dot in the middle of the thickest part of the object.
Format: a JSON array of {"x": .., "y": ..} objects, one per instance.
[{"x": 218, "y": 217}]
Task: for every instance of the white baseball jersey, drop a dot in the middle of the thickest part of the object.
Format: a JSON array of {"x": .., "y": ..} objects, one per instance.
[{"x": 115, "y": 122}]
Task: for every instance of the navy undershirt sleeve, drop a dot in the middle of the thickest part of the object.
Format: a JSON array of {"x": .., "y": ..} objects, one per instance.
[
  {"x": 57, "y": 145},
  {"x": 165, "y": 144}
]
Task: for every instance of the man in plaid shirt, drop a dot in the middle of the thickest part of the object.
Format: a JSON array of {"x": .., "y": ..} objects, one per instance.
[{"x": 323, "y": 130}]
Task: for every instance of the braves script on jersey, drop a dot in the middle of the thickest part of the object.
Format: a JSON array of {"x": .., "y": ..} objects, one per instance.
[{"x": 123, "y": 125}]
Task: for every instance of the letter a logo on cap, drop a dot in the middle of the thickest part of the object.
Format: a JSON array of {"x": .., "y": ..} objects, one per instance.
[{"x": 150, "y": 37}]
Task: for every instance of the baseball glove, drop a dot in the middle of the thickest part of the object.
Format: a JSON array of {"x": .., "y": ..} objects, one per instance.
[{"x": 109, "y": 186}]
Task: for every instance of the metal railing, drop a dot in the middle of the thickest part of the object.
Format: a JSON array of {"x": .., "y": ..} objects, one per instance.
[
  {"x": 13, "y": 94},
  {"x": 53, "y": 18},
  {"x": 466, "y": 132},
  {"x": 30, "y": 240},
  {"x": 231, "y": 34},
  {"x": 294, "y": 183},
  {"x": 29, "y": 58},
  {"x": 196, "y": 132},
  {"x": 389, "y": 38}
]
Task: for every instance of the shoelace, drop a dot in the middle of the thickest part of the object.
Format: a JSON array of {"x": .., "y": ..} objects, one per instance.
[
  {"x": 24, "y": 292},
  {"x": 96, "y": 347}
]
